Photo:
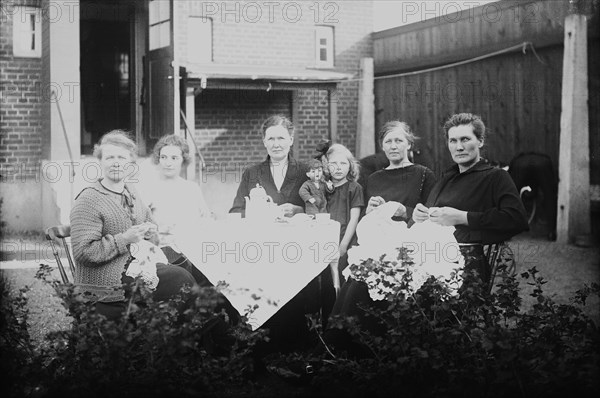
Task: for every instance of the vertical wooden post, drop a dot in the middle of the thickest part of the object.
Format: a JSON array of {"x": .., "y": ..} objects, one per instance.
[
  {"x": 573, "y": 217},
  {"x": 295, "y": 120},
  {"x": 365, "y": 141}
]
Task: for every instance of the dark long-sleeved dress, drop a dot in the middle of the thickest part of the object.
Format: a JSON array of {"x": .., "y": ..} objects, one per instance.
[
  {"x": 407, "y": 185},
  {"x": 494, "y": 209},
  {"x": 288, "y": 326},
  {"x": 261, "y": 174}
]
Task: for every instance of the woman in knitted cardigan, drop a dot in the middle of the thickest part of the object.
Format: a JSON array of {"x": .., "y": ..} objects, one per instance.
[{"x": 107, "y": 219}]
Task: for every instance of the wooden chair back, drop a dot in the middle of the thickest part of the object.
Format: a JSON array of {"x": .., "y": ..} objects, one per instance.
[{"x": 58, "y": 235}]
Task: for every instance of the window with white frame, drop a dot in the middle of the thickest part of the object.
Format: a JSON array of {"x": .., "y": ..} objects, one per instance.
[
  {"x": 159, "y": 21},
  {"x": 200, "y": 40},
  {"x": 324, "y": 46},
  {"x": 27, "y": 32}
]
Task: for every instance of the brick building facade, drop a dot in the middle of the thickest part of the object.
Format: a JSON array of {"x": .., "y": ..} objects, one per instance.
[
  {"x": 264, "y": 59},
  {"x": 20, "y": 110},
  {"x": 275, "y": 35}
]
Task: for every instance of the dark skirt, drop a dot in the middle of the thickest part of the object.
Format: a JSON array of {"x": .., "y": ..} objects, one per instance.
[
  {"x": 353, "y": 301},
  {"x": 183, "y": 262},
  {"x": 475, "y": 260},
  {"x": 170, "y": 281}
]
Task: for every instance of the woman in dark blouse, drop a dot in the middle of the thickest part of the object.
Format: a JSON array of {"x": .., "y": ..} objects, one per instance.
[
  {"x": 402, "y": 181},
  {"x": 480, "y": 200}
]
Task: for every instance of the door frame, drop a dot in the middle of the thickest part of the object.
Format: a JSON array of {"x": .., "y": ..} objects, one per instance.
[{"x": 161, "y": 105}]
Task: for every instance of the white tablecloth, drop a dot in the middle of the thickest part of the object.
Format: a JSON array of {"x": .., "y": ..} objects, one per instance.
[{"x": 263, "y": 265}]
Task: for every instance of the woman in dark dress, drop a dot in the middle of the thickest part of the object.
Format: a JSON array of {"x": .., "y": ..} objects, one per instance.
[
  {"x": 480, "y": 200},
  {"x": 403, "y": 182},
  {"x": 281, "y": 176}
]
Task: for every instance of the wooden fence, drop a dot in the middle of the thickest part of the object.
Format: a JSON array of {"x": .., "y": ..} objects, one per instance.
[{"x": 505, "y": 64}]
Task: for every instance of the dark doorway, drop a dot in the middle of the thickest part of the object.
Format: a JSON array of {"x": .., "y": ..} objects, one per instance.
[{"x": 105, "y": 76}]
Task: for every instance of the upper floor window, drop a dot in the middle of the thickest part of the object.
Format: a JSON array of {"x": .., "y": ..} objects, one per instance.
[
  {"x": 159, "y": 22},
  {"x": 324, "y": 46},
  {"x": 27, "y": 32},
  {"x": 200, "y": 40}
]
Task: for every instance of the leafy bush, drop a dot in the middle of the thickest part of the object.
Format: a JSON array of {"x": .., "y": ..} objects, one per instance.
[
  {"x": 432, "y": 345},
  {"x": 436, "y": 345},
  {"x": 16, "y": 351},
  {"x": 181, "y": 346}
]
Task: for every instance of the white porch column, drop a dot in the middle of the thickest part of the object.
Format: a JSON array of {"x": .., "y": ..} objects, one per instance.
[
  {"x": 190, "y": 117},
  {"x": 61, "y": 24},
  {"x": 61, "y": 111}
]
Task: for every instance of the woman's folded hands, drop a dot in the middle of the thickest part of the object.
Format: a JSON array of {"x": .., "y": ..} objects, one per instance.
[{"x": 447, "y": 216}]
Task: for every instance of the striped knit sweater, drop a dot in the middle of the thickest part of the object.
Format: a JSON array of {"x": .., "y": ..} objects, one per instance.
[{"x": 98, "y": 220}]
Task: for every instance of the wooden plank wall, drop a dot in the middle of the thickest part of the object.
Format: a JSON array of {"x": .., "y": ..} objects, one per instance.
[{"x": 518, "y": 95}]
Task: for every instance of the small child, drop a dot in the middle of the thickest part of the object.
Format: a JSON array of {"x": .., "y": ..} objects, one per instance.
[
  {"x": 344, "y": 205},
  {"x": 347, "y": 201},
  {"x": 313, "y": 191}
]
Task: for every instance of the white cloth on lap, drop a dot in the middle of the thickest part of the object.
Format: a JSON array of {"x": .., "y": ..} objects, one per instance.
[
  {"x": 432, "y": 247},
  {"x": 146, "y": 256}
]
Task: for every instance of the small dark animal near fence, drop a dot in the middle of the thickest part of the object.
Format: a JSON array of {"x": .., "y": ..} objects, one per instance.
[{"x": 536, "y": 171}]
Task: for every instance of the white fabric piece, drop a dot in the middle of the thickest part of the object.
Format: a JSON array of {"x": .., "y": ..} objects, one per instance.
[
  {"x": 432, "y": 247},
  {"x": 146, "y": 256}
]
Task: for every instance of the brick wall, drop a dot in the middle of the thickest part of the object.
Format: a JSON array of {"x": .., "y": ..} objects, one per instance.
[
  {"x": 282, "y": 38},
  {"x": 313, "y": 121},
  {"x": 20, "y": 110},
  {"x": 226, "y": 136}
]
